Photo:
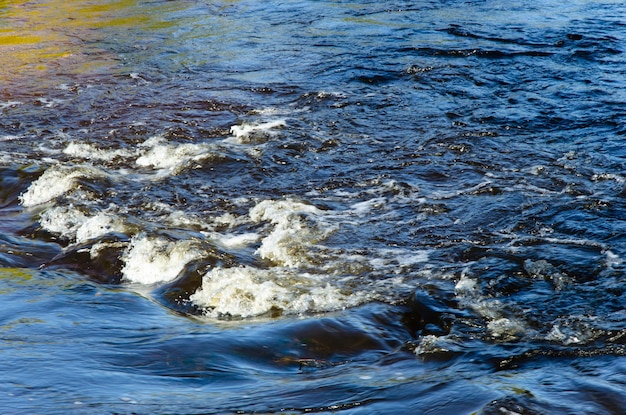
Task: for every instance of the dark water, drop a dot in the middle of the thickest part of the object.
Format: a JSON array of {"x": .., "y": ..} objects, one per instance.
[{"x": 328, "y": 207}]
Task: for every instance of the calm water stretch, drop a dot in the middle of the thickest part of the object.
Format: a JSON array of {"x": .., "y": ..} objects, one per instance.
[{"x": 370, "y": 207}]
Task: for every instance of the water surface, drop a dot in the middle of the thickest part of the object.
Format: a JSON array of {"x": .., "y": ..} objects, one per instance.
[{"x": 331, "y": 207}]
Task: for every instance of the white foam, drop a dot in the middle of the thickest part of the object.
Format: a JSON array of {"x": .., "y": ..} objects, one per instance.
[
  {"x": 9, "y": 104},
  {"x": 569, "y": 332},
  {"x": 608, "y": 176},
  {"x": 181, "y": 219},
  {"x": 466, "y": 287},
  {"x": 267, "y": 111},
  {"x": 405, "y": 258},
  {"x": 330, "y": 94},
  {"x": 248, "y": 291},
  {"x": 537, "y": 170},
  {"x": 62, "y": 220},
  {"x": 153, "y": 260},
  {"x": 504, "y": 328},
  {"x": 431, "y": 344},
  {"x": 612, "y": 259},
  {"x": 9, "y": 137},
  {"x": 228, "y": 219},
  {"x": 441, "y": 195},
  {"x": 292, "y": 235},
  {"x": 246, "y": 133},
  {"x": 290, "y": 242},
  {"x": 138, "y": 77},
  {"x": 500, "y": 326},
  {"x": 91, "y": 152},
  {"x": 236, "y": 241},
  {"x": 171, "y": 158},
  {"x": 365, "y": 207},
  {"x": 53, "y": 183},
  {"x": 468, "y": 293},
  {"x": 71, "y": 223},
  {"x": 98, "y": 225},
  {"x": 543, "y": 269},
  {"x": 276, "y": 211},
  {"x": 238, "y": 292},
  {"x": 50, "y": 102}
]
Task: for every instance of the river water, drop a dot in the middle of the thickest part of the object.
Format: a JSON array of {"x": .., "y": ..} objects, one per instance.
[{"x": 313, "y": 207}]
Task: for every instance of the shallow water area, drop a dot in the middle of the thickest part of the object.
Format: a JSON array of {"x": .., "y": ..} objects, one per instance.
[{"x": 312, "y": 207}]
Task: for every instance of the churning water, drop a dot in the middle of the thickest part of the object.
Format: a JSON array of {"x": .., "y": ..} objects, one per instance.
[{"x": 311, "y": 206}]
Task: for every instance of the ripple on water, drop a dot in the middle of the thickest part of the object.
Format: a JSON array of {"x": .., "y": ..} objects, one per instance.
[{"x": 378, "y": 207}]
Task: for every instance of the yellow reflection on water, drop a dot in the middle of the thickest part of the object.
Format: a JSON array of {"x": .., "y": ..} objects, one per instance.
[
  {"x": 54, "y": 36},
  {"x": 12, "y": 277}
]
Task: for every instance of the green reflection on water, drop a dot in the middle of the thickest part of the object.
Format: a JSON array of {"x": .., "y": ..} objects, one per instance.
[{"x": 11, "y": 278}]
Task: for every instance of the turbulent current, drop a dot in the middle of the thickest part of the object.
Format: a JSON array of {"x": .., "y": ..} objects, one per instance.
[{"x": 313, "y": 207}]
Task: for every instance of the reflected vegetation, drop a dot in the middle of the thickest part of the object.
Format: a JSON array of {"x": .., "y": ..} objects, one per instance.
[{"x": 45, "y": 39}]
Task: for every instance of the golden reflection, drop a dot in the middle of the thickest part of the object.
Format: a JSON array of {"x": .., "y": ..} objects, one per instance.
[{"x": 66, "y": 37}]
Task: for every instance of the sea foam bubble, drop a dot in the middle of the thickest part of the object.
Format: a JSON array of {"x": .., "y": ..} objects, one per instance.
[
  {"x": 248, "y": 291},
  {"x": 169, "y": 158},
  {"x": 90, "y": 152},
  {"x": 54, "y": 182},
  {"x": 150, "y": 260},
  {"x": 296, "y": 227},
  {"x": 73, "y": 224},
  {"x": 248, "y": 133}
]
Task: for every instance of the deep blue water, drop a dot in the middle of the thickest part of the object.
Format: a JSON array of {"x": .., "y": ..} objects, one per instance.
[{"x": 313, "y": 207}]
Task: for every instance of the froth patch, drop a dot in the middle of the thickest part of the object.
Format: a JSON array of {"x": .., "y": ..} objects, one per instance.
[
  {"x": 431, "y": 344},
  {"x": 9, "y": 137},
  {"x": 297, "y": 227},
  {"x": 90, "y": 152},
  {"x": 53, "y": 183},
  {"x": 152, "y": 260},
  {"x": 9, "y": 104},
  {"x": 247, "y": 291},
  {"x": 505, "y": 328},
  {"x": 571, "y": 330},
  {"x": 500, "y": 324},
  {"x": 236, "y": 241},
  {"x": 247, "y": 133},
  {"x": 71, "y": 223},
  {"x": 170, "y": 158},
  {"x": 63, "y": 220}
]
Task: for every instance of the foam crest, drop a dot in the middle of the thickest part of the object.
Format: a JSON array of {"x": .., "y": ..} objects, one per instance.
[
  {"x": 9, "y": 137},
  {"x": 543, "y": 269},
  {"x": 613, "y": 259},
  {"x": 73, "y": 224},
  {"x": 431, "y": 344},
  {"x": 152, "y": 260},
  {"x": 247, "y": 291},
  {"x": 99, "y": 225},
  {"x": 248, "y": 133},
  {"x": 364, "y": 208},
  {"x": 572, "y": 330},
  {"x": 398, "y": 258},
  {"x": 53, "y": 183},
  {"x": 91, "y": 152},
  {"x": 499, "y": 325},
  {"x": 297, "y": 226},
  {"x": 170, "y": 158},
  {"x": 506, "y": 328},
  {"x": 62, "y": 220},
  {"x": 236, "y": 241}
]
